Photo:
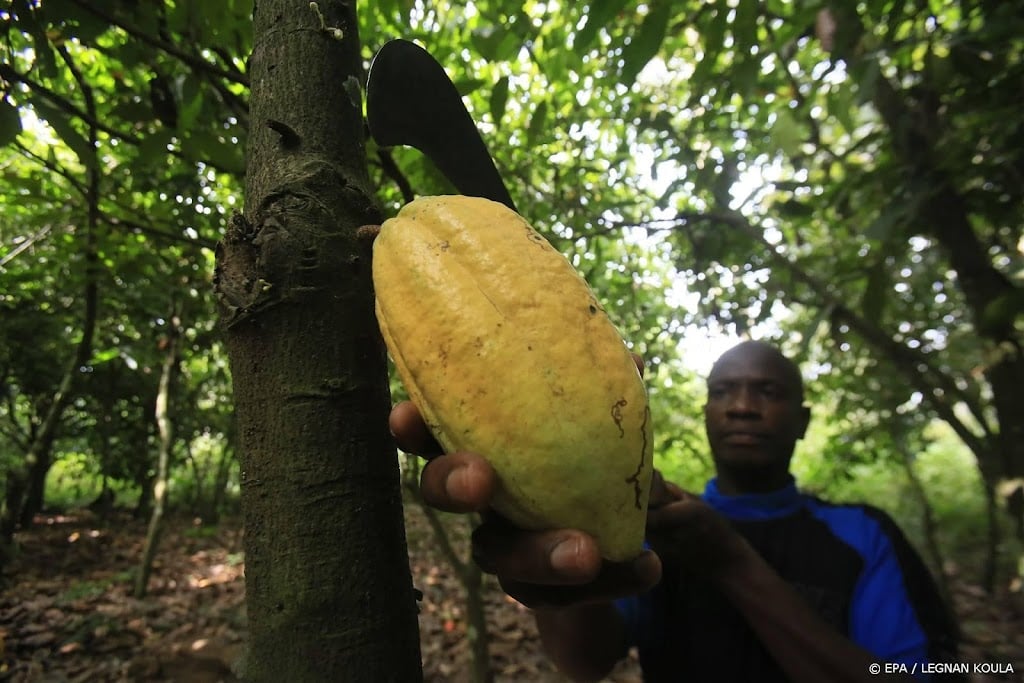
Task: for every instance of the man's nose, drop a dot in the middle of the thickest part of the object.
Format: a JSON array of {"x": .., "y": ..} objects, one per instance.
[{"x": 744, "y": 402}]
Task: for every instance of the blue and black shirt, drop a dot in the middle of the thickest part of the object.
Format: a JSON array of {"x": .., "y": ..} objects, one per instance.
[{"x": 850, "y": 562}]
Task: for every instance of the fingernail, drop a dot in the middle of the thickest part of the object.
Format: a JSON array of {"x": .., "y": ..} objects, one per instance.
[
  {"x": 565, "y": 556},
  {"x": 647, "y": 567},
  {"x": 455, "y": 483}
]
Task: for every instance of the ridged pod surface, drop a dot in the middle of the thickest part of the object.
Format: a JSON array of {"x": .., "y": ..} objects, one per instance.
[{"x": 507, "y": 353}]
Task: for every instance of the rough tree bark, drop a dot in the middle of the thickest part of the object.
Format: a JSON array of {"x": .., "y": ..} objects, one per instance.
[{"x": 328, "y": 587}]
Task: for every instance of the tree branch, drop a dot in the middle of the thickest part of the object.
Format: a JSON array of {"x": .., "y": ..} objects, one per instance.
[
  {"x": 941, "y": 389},
  {"x": 191, "y": 60},
  {"x": 58, "y": 101},
  {"x": 392, "y": 170},
  {"x": 93, "y": 120}
]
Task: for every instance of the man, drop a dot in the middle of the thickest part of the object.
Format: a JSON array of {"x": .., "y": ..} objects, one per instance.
[{"x": 752, "y": 582}]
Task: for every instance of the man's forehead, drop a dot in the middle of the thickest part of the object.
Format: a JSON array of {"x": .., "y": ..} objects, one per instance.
[
  {"x": 755, "y": 364},
  {"x": 749, "y": 374}
]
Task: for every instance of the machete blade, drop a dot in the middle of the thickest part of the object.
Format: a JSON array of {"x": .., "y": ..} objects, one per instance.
[{"x": 411, "y": 101}]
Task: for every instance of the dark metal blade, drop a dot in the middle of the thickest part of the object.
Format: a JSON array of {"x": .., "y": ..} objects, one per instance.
[{"x": 411, "y": 101}]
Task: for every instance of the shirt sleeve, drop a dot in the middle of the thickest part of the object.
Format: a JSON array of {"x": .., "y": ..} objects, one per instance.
[
  {"x": 933, "y": 614},
  {"x": 882, "y": 617}
]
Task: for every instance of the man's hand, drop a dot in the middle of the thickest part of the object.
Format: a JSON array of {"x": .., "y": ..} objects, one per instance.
[
  {"x": 540, "y": 569},
  {"x": 687, "y": 534}
]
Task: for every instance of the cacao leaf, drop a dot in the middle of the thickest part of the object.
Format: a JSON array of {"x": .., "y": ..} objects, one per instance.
[
  {"x": 599, "y": 14},
  {"x": 499, "y": 98},
  {"x": 540, "y": 115},
  {"x": 744, "y": 26},
  {"x": 10, "y": 122},
  {"x": 786, "y": 133},
  {"x": 62, "y": 125},
  {"x": 486, "y": 40},
  {"x": 841, "y": 105},
  {"x": 465, "y": 86},
  {"x": 190, "y": 94},
  {"x": 646, "y": 42},
  {"x": 876, "y": 290},
  {"x": 714, "y": 41},
  {"x": 84, "y": 25}
]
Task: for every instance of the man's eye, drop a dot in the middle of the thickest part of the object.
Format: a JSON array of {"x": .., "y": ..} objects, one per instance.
[{"x": 722, "y": 393}]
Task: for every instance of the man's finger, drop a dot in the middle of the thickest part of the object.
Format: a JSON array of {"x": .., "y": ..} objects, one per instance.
[
  {"x": 558, "y": 558},
  {"x": 616, "y": 580},
  {"x": 664, "y": 491},
  {"x": 410, "y": 431},
  {"x": 458, "y": 482}
]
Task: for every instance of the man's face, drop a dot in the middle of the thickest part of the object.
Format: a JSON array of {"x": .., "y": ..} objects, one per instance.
[{"x": 754, "y": 413}]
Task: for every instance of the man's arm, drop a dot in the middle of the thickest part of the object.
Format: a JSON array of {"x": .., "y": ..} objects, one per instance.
[
  {"x": 690, "y": 534},
  {"x": 804, "y": 645},
  {"x": 584, "y": 642}
]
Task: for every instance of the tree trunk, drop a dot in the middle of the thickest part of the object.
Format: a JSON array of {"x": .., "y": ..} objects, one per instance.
[
  {"x": 165, "y": 432},
  {"x": 476, "y": 622},
  {"x": 211, "y": 513},
  {"x": 35, "y": 496},
  {"x": 928, "y": 525},
  {"x": 994, "y": 537},
  {"x": 328, "y": 590},
  {"x": 143, "y": 506}
]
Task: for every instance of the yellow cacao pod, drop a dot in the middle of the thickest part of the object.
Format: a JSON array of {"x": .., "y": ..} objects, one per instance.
[{"x": 507, "y": 353}]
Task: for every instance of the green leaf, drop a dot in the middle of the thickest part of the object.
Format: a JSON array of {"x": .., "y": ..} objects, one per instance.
[
  {"x": 178, "y": 17},
  {"x": 599, "y": 14},
  {"x": 495, "y": 44},
  {"x": 889, "y": 218},
  {"x": 205, "y": 146},
  {"x": 10, "y": 123},
  {"x": 841, "y": 105},
  {"x": 646, "y": 42},
  {"x": 465, "y": 86},
  {"x": 744, "y": 26},
  {"x": 876, "y": 290},
  {"x": 999, "y": 315},
  {"x": 744, "y": 76},
  {"x": 133, "y": 111},
  {"x": 153, "y": 149},
  {"x": 499, "y": 98},
  {"x": 486, "y": 40},
  {"x": 62, "y": 125},
  {"x": 866, "y": 74},
  {"x": 714, "y": 42},
  {"x": 84, "y": 25},
  {"x": 794, "y": 208},
  {"x": 190, "y": 102},
  {"x": 508, "y": 47},
  {"x": 105, "y": 356},
  {"x": 786, "y": 134},
  {"x": 537, "y": 121}
]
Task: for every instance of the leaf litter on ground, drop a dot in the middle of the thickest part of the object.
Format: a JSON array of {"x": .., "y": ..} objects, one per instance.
[{"x": 67, "y": 614}]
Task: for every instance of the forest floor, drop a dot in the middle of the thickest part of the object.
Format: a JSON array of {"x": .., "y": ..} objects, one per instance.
[{"x": 67, "y": 615}]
